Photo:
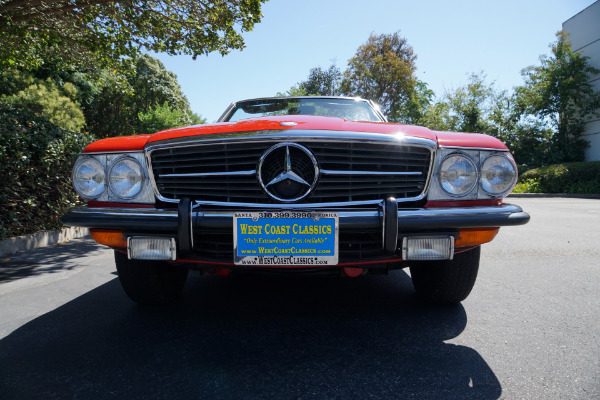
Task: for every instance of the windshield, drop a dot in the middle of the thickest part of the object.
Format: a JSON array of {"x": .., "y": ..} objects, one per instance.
[{"x": 355, "y": 110}]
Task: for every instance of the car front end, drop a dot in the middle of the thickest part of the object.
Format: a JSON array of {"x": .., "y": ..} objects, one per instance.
[{"x": 296, "y": 193}]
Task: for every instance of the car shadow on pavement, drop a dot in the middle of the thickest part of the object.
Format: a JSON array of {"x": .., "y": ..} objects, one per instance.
[
  {"x": 56, "y": 258},
  {"x": 249, "y": 337}
]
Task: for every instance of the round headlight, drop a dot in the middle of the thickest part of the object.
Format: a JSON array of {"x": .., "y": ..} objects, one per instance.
[
  {"x": 458, "y": 175},
  {"x": 498, "y": 175},
  {"x": 126, "y": 178},
  {"x": 89, "y": 178}
]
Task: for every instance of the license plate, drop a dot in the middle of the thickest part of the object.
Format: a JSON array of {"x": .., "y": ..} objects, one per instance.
[{"x": 285, "y": 238}]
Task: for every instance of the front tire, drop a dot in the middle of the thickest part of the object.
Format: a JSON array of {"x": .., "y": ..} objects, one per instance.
[
  {"x": 150, "y": 282},
  {"x": 448, "y": 281}
]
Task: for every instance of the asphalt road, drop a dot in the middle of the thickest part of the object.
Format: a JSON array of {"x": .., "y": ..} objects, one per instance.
[{"x": 529, "y": 330}]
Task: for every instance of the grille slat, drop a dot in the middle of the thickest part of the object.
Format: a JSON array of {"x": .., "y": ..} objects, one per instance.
[
  {"x": 332, "y": 156},
  {"x": 184, "y": 164}
]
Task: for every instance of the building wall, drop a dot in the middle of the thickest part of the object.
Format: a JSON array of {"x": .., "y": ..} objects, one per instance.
[{"x": 584, "y": 31}]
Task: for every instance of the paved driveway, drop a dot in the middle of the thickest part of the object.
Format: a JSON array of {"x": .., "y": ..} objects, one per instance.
[{"x": 530, "y": 329}]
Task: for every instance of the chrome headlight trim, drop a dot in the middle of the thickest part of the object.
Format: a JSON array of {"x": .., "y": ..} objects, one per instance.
[
  {"x": 85, "y": 159},
  {"x": 514, "y": 171},
  {"x": 475, "y": 170},
  {"x": 108, "y": 160},
  {"x": 478, "y": 156},
  {"x": 141, "y": 174}
]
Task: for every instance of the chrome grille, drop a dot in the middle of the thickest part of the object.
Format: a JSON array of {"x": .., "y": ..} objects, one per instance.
[{"x": 350, "y": 170}]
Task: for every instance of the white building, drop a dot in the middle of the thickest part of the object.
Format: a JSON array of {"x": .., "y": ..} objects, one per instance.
[{"x": 584, "y": 31}]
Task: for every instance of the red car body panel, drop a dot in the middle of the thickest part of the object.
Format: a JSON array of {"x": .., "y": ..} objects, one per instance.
[
  {"x": 303, "y": 122},
  {"x": 120, "y": 144},
  {"x": 460, "y": 139}
]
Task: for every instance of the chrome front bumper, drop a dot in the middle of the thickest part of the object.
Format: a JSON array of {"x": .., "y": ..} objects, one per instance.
[
  {"x": 387, "y": 217},
  {"x": 166, "y": 221}
]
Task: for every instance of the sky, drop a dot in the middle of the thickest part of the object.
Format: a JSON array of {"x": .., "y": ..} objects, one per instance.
[{"x": 451, "y": 39}]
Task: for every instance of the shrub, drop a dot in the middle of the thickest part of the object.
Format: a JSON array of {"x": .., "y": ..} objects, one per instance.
[
  {"x": 44, "y": 98},
  {"x": 578, "y": 177},
  {"x": 36, "y": 158},
  {"x": 531, "y": 185}
]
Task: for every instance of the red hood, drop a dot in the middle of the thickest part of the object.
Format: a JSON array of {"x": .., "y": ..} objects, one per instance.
[
  {"x": 460, "y": 139},
  {"x": 308, "y": 122}
]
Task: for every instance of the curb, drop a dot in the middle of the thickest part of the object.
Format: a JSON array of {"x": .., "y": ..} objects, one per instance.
[
  {"x": 39, "y": 239},
  {"x": 562, "y": 195}
]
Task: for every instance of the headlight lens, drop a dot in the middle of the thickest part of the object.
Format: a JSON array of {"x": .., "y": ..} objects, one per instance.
[
  {"x": 498, "y": 175},
  {"x": 126, "y": 178},
  {"x": 89, "y": 178},
  {"x": 458, "y": 175}
]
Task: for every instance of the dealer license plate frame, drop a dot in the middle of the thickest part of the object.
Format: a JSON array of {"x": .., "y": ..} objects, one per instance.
[{"x": 288, "y": 258}]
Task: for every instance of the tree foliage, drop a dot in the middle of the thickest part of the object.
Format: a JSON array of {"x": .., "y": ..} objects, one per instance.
[
  {"x": 321, "y": 82},
  {"x": 42, "y": 113},
  {"x": 467, "y": 108},
  {"x": 100, "y": 32},
  {"x": 37, "y": 157},
  {"x": 479, "y": 107},
  {"x": 418, "y": 104},
  {"x": 559, "y": 94},
  {"x": 163, "y": 116},
  {"x": 383, "y": 70},
  {"x": 42, "y": 97},
  {"x": 295, "y": 90},
  {"x": 117, "y": 108}
]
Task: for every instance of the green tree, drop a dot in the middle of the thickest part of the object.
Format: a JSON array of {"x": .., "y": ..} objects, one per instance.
[
  {"x": 196, "y": 119},
  {"x": 100, "y": 32},
  {"x": 322, "y": 82},
  {"x": 153, "y": 84},
  {"x": 559, "y": 94},
  {"x": 116, "y": 109},
  {"x": 163, "y": 116},
  {"x": 295, "y": 90},
  {"x": 527, "y": 138},
  {"x": 418, "y": 104},
  {"x": 479, "y": 107},
  {"x": 42, "y": 97},
  {"x": 465, "y": 109},
  {"x": 383, "y": 70}
]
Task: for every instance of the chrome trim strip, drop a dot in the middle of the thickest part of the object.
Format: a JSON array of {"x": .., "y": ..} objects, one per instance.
[
  {"x": 412, "y": 212},
  {"x": 298, "y": 136},
  {"x": 134, "y": 212},
  {"x": 283, "y": 206},
  {"x": 416, "y": 219},
  {"x": 110, "y": 152},
  {"x": 342, "y": 214},
  {"x": 199, "y": 175},
  {"x": 474, "y": 148},
  {"x": 292, "y": 135},
  {"x": 330, "y": 172},
  {"x": 458, "y": 211}
]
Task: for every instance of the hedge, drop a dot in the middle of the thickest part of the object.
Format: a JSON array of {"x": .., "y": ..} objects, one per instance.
[
  {"x": 577, "y": 177},
  {"x": 36, "y": 159}
]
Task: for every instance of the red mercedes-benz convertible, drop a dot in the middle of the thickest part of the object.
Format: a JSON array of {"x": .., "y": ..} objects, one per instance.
[{"x": 298, "y": 184}]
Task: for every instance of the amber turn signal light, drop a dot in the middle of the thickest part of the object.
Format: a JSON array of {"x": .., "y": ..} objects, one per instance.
[
  {"x": 109, "y": 238},
  {"x": 474, "y": 237}
]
